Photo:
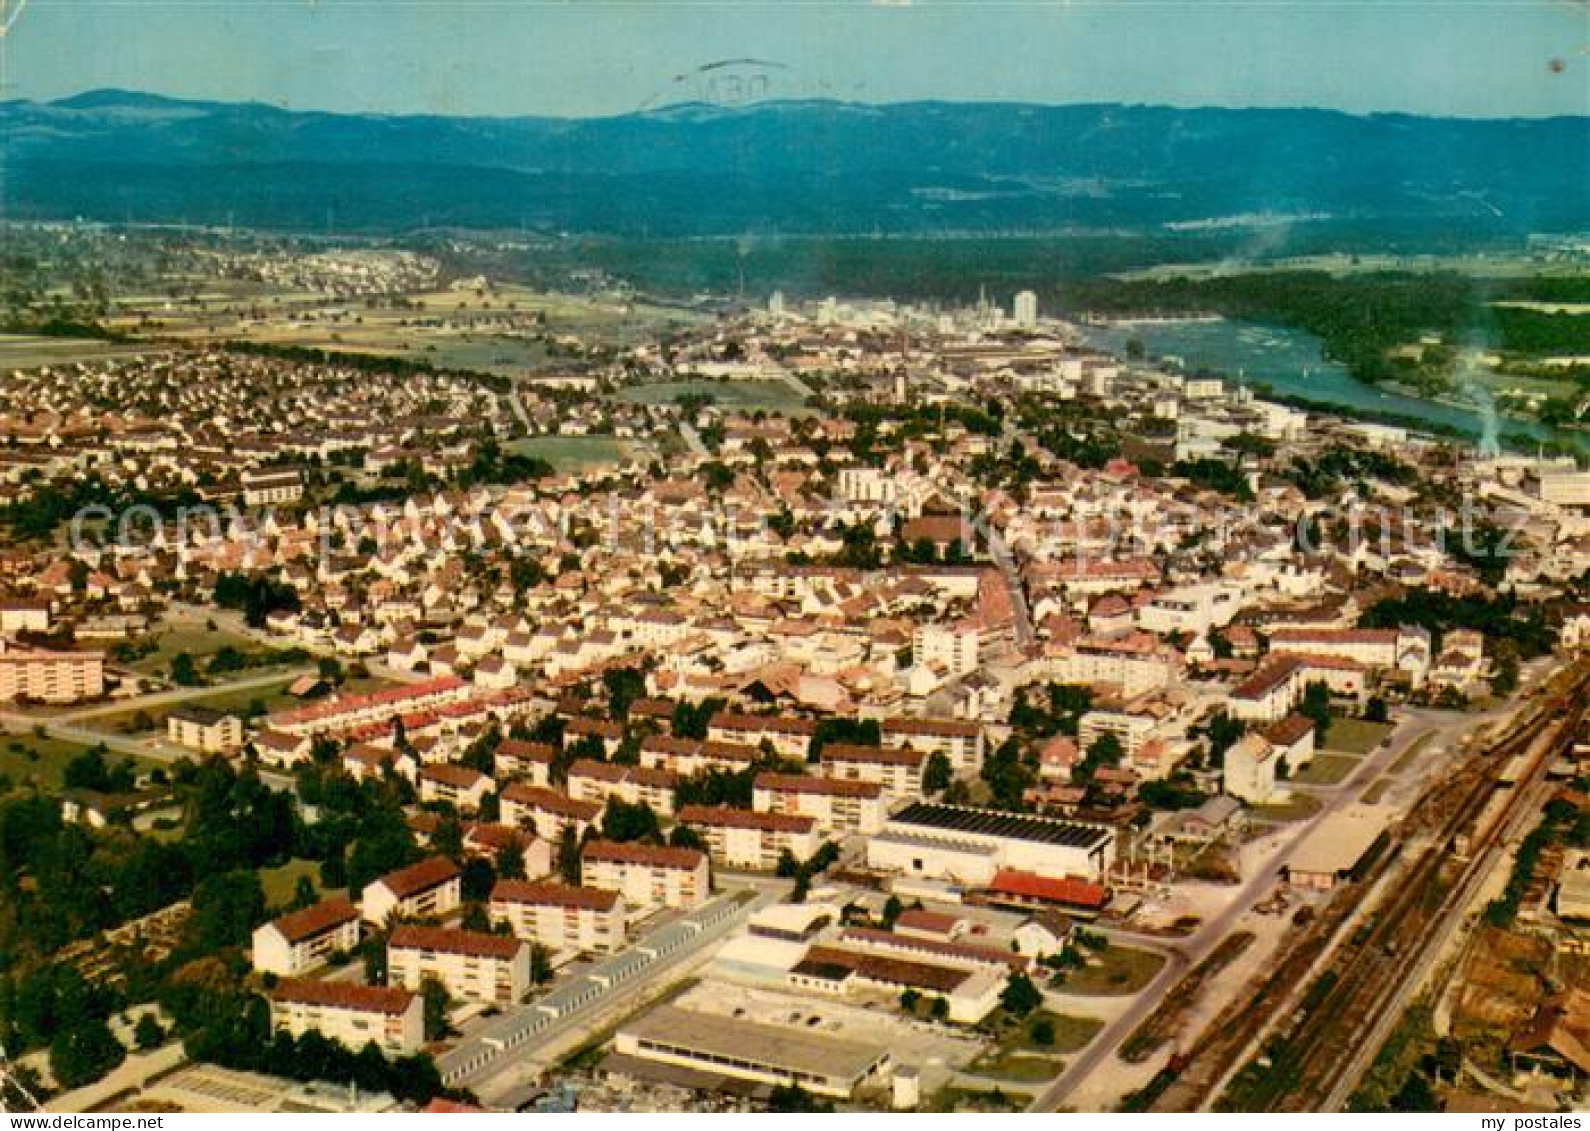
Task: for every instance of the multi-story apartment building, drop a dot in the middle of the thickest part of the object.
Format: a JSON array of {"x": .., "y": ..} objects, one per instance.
[
  {"x": 560, "y": 916},
  {"x": 647, "y": 875},
  {"x": 595, "y": 782},
  {"x": 547, "y": 810},
  {"x": 898, "y": 769},
  {"x": 430, "y": 888},
  {"x": 302, "y": 940},
  {"x": 744, "y": 838},
  {"x": 789, "y": 737},
  {"x": 959, "y": 740},
  {"x": 49, "y": 676},
  {"x": 460, "y": 786},
  {"x": 531, "y": 761},
  {"x": 204, "y": 729},
  {"x": 473, "y": 965},
  {"x": 350, "y": 1014},
  {"x": 687, "y": 756},
  {"x": 837, "y": 806}
]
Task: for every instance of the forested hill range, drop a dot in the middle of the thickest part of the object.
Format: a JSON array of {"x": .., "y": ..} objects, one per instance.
[{"x": 793, "y": 168}]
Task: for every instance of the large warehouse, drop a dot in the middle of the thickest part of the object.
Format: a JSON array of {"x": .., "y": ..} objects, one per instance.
[
  {"x": 970, "y": 846},
  {"x": 748, "y": 1050}
]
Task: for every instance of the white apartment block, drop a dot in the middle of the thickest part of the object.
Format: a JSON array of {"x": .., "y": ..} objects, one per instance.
[
  {"x": 48, "y": 676},
  {"x": 596, "y": 782},
  {"x": 459, "y": 786},
  {"x": 302, "y": 940},
  {"x": 743, "y": 838},
  {"x": 957, "y": 739},
  {"x": 837, "y": 806},
  {"x": 547, "y": 811},
  {"x": 646, "y": 875},
  {"x": 1249, "y": 770},
  {"x": 204, "y": 729},
  {"x": 559, "y": 916},
  {"x": 425, "y": 890},
  {"x": 473, "y": 965},
  {"x": 350, "y": 1014},
  {"x": 897, "y": 769}
]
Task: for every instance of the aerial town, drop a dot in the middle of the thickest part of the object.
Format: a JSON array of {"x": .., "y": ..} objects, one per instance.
[
  {"x": 860, "y": 558},
  {"x": 805, "y": 704}
]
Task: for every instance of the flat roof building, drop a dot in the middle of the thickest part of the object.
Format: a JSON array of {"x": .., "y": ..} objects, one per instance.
[{"x": 749, "y": 1050}]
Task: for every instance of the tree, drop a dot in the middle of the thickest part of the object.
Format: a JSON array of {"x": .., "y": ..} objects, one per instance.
[
  {"x": 1316, "y": 705},
  {"x": 147, "y": 1033},
  {"x": 184, "y": 672},
  {"x": 569, "y": 856},
  {"x": 794, "y": 1098},
  {"x": 1376, "y": 711},
  {"x": 83, "y": 1052},
  {"x": 936, "y": 774},
  {"x": 226, "y": 909},
  {"x": 304, "y": 893},
  {"x": 1020, "y": 997},
  {"x": 510, "y": 862},
  {"x": 909, "y": 999},
  {"x": 1042, "y": 1030},
  {"x": 891, "y": 911},
  {"x": 939, "y": 1009},
  {"x": 435, "y": 999},
  {"x": 626, "y": 822}
]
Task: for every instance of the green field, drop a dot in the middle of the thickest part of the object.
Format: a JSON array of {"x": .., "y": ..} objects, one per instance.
[
  {"x": 281, "y": 882},
  {"x": 1298, "y": 807},
  {"x": 1354, "y": 736},
  {"x": 1120, "y": 970},
  {"x": 29, "y": 761},
  {"x": 572, "y": 453},
  {"x": 774, "y": 396},
  {"x": 19, "y": 351},
  {"x": 1326, "y": 769}
]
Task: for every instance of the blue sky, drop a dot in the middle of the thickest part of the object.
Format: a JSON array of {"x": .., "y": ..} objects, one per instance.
[{"x": 1480, "y": 59}]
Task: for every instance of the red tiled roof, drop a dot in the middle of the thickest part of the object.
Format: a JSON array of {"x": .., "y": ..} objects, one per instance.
[
  {"x": 649, "y": 854},
  {"x": 419, "y": 877},
  {"x": 343, "y": 995},
  {"x": 296, "y": 926},
  {"x": 548, "y": 894},
  {"x": 727, "y": 817},
  {"x": 946, "y": 728},
  {"x": 444, "y": 941},
  {"x": 1027, "y": 885},
  {"x": 803, "y": 783}
]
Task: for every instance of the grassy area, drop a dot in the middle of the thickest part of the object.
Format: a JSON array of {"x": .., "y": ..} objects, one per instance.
[
  {"x": 1017, "y": 1067},
  {"x": 1298, "y": 807},
  {"x": 1326, "y": 769},
  {"x": 29, "y": 761},
  {"x": 281, "y": 883},
  {"x": 1355, "y": 736},
  {"x": 193, "y": 638},
  {"x": 571, "y": 453},
  {"x": 968, "y": 1099},
  {"x": 750, "y": 395},
  {"x": 142, "y": 720},
  {"x": 1119, "y": 970}
]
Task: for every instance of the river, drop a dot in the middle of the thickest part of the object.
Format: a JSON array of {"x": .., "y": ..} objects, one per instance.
[{"x": 1291, "y": 363}]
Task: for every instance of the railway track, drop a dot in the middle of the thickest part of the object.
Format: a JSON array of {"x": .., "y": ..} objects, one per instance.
[{"x": 1310, "y": 1050}]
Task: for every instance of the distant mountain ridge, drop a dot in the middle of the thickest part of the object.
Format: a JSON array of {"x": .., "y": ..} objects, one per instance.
[{"x": 827, "y": 167}]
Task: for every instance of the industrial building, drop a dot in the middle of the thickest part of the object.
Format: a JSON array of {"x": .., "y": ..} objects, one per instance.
[
  {"x": 747, "y": 1050},
  {"x": 971, "y": 846}
]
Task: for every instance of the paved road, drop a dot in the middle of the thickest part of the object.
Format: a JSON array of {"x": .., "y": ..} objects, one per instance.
[{"x": 692, "y": 440}]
